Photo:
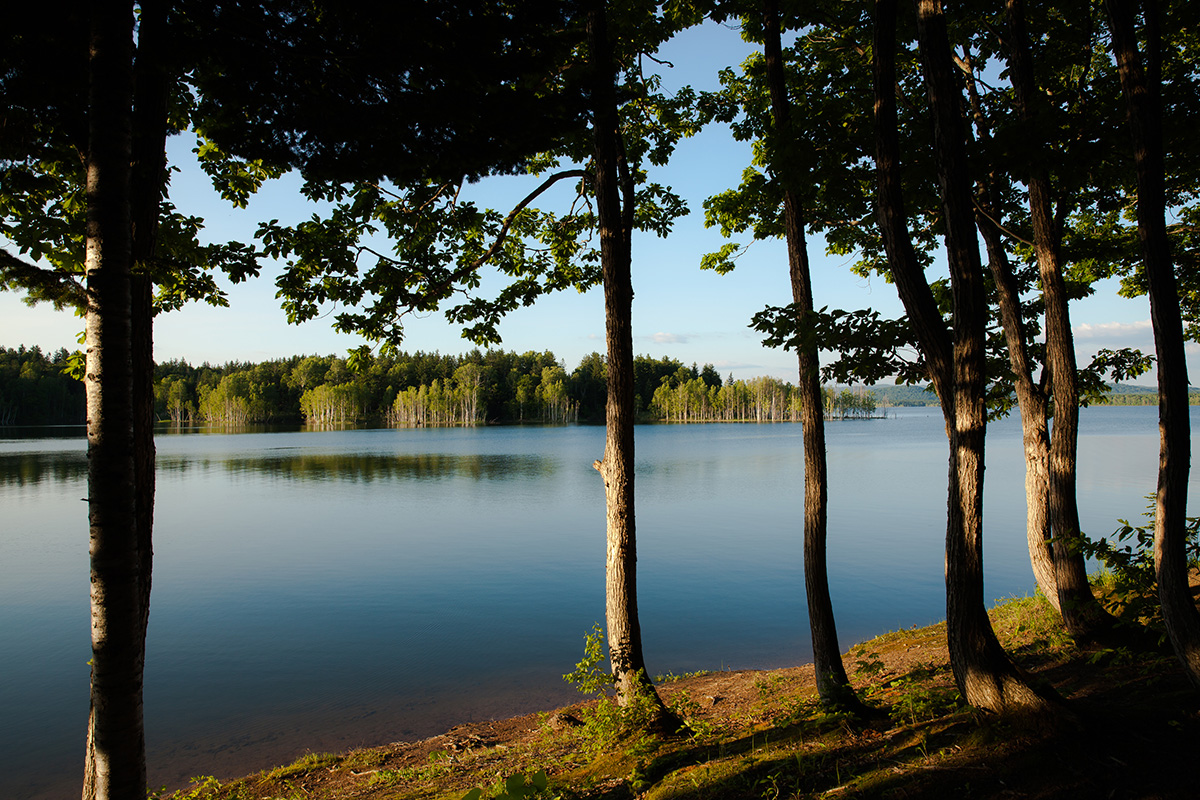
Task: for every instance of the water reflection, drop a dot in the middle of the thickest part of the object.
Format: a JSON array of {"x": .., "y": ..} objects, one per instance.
[
  {"x": 33, "y": 469},
  {"x": 369, "y": 467}
]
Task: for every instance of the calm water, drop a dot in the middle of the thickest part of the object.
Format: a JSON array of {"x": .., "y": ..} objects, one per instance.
[{"x": 322, "y": 590}]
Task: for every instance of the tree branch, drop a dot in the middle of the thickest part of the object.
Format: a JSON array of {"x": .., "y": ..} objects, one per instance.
[
  {"x": 60, "y": 288},
  {"x": 1006, "y": 231},
  {"x": 463, "y": 272}
]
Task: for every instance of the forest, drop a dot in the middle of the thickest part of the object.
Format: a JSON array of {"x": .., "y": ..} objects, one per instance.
[
  {"x": 415, "y": 389},
  {"x": 477, "y": 387},
  {"x": 991, "y": 161}
]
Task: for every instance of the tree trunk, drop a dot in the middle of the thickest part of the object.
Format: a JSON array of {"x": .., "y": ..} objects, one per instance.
[
  {"x": 833, "y": 685},
  {"x": 617, "y": 465},
  {"x": 116, "y": 750},
  {"x": 984, "y": 674},
  {"x": 1174, "y": 428},
  {"x": 148, "y": 179},
  {"x": 1033, "y": 406},
  {"x": 1031, "y": 398},
  {"x": 1082, "y": 614}
]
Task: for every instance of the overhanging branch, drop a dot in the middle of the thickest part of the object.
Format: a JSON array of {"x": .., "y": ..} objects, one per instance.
[{"x": 60, "y": 288}]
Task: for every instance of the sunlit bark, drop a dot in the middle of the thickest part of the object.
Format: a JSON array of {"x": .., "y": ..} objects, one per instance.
[{"x": 116, "y": 751}]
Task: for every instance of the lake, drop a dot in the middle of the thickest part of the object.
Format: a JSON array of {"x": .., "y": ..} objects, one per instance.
[{"x": 325, "y": 590}]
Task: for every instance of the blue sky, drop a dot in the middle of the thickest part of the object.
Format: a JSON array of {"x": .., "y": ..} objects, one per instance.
[{"x": 679, "y": 310}]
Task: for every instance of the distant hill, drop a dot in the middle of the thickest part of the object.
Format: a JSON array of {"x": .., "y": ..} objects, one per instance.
[{"x": 891, "y": 394}]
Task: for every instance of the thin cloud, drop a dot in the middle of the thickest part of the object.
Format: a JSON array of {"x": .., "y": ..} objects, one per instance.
[
  {"x": 1113, "y": 330},
  {"x": 669, "y": 338}
]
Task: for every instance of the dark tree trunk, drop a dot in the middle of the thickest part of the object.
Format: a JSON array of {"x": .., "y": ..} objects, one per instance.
[
  {"x": 116, "y": 751},
  {"x": 151, "y": 84},
  {"x": 617, "y": 465},
  {"x": 1031, "y": 398},
  {"x": 833, "y": 685},
  {"x": 915, "y": 294},
  {"x": 1082, "y": 614},
  {"x": 984, "y": 674},
  {"x": 1145, "y": 126}
]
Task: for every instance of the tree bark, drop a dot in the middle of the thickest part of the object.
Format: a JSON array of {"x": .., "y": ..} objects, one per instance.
[
  {"x": 617, "y": 465},
  {"x": 116, "y": 751},
  {"x": 833, "y": 685},
  {"x": 1174, "y": 428},
  {"x": 1032, "y": 401},
  {"x": 1033, "y": 406},
  {"x": 1082, "y": 614},
  {"x": 985, "y": 675},
  {"x": 148, "y": 179}
]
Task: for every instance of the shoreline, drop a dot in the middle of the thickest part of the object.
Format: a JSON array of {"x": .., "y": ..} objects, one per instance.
[{"x": 751, "y": 729}]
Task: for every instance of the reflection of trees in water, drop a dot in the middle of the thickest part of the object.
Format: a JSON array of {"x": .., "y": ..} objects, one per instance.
[
  {"x": 365, "y": 468},
  {"x": 30, "y": 469}
]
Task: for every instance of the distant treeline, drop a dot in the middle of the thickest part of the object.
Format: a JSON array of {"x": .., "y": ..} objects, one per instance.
[
  {"x": 411, "y": 389},
  {"x": 35, "y": 391},
  {"x": 434, "y": 389},
  {"x": 478, "y": 387},
  {"x": 758, "y": 400}
]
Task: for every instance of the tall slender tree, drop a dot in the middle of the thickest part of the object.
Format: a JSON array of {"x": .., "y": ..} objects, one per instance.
[
  {"x": 1082, "y": 613},
  {"x": 833, "y": 685},
  {"x": 614, "y": 217},
  {"x": 116, "y": 738},
  {"x": 1140, "y": 79},
  {"x": 985, "y": 675}
]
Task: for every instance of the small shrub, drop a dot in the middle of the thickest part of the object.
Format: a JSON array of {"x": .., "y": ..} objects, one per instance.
[
  {"x": 1128, "y": 578},
  {"x": 671, "y": 677},
  {"x": 587, "y": 676},
  {"x": 869, "y": 665},
  {"x": 608, "y": 723},
  {"x": 688, "y": 710}
]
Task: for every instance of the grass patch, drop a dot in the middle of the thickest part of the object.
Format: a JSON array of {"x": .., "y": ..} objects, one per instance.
[{"x": 304, "y": 764}]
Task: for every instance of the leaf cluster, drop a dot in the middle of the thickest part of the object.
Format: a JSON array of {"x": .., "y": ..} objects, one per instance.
[
  {"x": 1128, "y": 555},
  {"x": 868, "y": 346}
]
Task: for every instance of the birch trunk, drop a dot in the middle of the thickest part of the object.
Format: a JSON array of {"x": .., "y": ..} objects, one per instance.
[{"x": 115, "y": 764}]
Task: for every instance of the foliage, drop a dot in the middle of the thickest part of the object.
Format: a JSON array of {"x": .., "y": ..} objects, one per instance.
[
  {"x": 608, "y": 723},
  {"x": 203, "y": 788},
  {"x": 917, "y": 701},
  {"x": 438, "y": 765},
  {"x": 588, "y": 676},
  {"x": 533, "y": 786},
  {"x": 1129, "y": 581},
  {"x": 868, "y": 347}
]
